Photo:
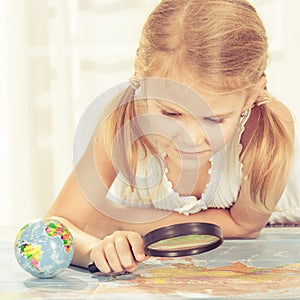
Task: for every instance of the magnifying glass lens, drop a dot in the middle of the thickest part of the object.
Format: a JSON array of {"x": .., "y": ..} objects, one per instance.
[
  {"x": 190, "y": 241},
  {"x": 183, "y": 239}
]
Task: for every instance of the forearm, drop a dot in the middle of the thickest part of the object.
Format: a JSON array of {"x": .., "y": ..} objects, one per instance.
[
  {"x": 221, "y": 217},
  {"x": 83, "y": 243},
  {"x": 231, "y": 228}
]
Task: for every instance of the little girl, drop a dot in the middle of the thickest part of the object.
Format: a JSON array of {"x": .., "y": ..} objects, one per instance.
[{"x": 196, "y": 136}]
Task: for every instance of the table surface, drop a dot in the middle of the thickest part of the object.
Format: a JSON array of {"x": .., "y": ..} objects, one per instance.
[{"x": 265, "y": 268}]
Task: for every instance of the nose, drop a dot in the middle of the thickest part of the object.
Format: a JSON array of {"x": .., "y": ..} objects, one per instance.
[{"x": 191, "y": 134}]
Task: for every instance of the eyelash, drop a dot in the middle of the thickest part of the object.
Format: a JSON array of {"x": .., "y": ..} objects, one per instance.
[
  {"x": 177, "y": 115},
  {"x": 214, "y": 121},
  {"x": 171, "y": 114}
]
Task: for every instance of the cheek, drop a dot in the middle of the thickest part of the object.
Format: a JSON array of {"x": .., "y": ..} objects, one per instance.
[
  {"x": 230, "y": 129},
  {"x": 163, "y": 127},
  {"x": 219, "y": 135}
]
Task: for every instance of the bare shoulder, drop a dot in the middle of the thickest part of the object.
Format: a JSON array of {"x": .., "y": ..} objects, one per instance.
[{"x": 281, "y": 110}]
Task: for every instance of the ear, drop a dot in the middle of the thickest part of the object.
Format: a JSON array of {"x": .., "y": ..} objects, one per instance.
[{"x": 256, "y": 92}]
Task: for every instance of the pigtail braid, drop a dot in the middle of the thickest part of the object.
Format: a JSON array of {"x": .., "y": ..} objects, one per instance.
[
  {"x": 124, "y": 136},
  {"x": 270, "y": 145}
]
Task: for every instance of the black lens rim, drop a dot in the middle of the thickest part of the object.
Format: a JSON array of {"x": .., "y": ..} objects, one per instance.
[{"x": 182, "y": 229}]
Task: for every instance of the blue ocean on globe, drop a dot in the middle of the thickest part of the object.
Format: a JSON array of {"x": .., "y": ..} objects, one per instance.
[{"x": 44, "y": 248}]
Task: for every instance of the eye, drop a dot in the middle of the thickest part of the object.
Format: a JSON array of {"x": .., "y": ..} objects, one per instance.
[
  {"x": 214, "y": 120},
  {"x": 171, "y": 114}
]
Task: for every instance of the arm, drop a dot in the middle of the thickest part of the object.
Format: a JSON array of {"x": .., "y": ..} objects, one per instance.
[
  {"x": 94, "y": 233},
  {"x": 237, "y": 222},
  {"x": 74, "y": 211},
  {"x": 244, "y": 211},
  {"x": 84, "y": 242}
]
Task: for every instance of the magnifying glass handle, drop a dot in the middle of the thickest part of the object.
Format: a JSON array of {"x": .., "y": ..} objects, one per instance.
[{"x": 93, "y": 268}]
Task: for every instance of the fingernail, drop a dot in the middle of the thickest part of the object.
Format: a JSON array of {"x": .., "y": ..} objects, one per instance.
[{"x": 140, "y": 256}]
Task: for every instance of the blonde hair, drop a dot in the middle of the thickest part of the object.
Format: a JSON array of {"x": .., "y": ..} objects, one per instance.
[{"x": 226, "y": 41}]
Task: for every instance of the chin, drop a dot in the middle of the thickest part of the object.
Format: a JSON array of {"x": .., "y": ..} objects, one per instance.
[{"x": 190, "y": 163}]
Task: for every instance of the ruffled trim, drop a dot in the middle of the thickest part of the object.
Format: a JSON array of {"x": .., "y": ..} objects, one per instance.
[
  {"x": 288, "y": 216},
  {"x": 189, "y": 204},
  {"x": 240, "y": 149}
]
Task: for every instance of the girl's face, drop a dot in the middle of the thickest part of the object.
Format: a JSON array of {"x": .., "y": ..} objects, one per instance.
[{"x": 190, "y": 129}]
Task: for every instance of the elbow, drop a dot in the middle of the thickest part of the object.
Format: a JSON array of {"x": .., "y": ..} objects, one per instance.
[
  {"x": 245, "y": 230},
  {"x": 239, "y": 231},
  {"x": 247, "y": 233},
  {"x": 251, "y": 235},
  {"x": 242, "y": 234}
]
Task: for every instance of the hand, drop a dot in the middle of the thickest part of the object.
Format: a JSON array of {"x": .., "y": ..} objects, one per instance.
[{"x": 119, "y": 252}]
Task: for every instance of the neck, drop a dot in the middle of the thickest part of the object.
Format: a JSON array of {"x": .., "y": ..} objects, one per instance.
[{"x": 188, "y": 182}]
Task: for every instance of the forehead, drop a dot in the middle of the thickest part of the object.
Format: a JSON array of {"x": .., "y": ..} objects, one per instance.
[{"x": 195, "y": 98}]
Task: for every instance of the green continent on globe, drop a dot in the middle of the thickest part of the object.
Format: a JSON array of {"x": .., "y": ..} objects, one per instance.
[
  {"x": 32, "y": 253},
  {"x": 57, "y": 229}
]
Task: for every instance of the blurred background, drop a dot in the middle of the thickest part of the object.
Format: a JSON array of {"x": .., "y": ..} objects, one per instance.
[{"x": 57, "y": 56}]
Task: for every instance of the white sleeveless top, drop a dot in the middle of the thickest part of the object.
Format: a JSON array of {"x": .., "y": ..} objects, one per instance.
[{"x": 154, "y": 190}]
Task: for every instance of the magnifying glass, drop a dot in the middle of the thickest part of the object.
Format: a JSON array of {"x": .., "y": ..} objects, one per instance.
[
  {"x": 180, "y": 240},
  {"x": 183, "y": 239}
]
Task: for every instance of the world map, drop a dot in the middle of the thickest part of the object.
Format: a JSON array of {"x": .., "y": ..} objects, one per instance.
[
  {"x": 185, "y": 276},
  {"x": 263, "y": 268}
]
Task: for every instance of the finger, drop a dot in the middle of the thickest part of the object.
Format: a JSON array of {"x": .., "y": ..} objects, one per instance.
[
  {"x": 125, "y": 254},
  {"x": 101, "y": 263},
  {"x": 113, "y": 258},
  {"x": 137, "y": 246}
]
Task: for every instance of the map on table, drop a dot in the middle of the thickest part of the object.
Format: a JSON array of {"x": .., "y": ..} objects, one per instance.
[{"x": 245, "y": 269}]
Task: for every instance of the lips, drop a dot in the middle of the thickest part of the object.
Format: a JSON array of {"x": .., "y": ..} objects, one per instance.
[{"x": 190, "y": 153}]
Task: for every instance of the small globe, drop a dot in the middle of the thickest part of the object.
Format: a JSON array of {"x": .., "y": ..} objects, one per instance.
[{"x": 44, "y": 248}]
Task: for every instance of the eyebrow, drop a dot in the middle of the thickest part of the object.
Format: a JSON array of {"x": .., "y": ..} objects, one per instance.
[
  {"x": 165, "y": 106},
  {"x": 219, "y": 116}
]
